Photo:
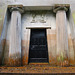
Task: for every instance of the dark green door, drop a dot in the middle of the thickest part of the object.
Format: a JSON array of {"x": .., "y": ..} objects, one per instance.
[{"x": 38, "y": 51}]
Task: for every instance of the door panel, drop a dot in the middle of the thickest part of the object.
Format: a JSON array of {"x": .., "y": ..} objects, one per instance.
[{"x": 38, "y": 51}]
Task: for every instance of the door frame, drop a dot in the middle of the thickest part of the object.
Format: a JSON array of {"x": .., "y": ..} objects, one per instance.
[{"x": 29, "y": 33}]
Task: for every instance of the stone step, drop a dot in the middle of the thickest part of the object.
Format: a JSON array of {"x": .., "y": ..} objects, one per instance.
[{"x": 37, "y": 70}]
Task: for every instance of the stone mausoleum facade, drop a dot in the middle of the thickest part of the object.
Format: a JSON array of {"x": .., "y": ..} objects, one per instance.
[{"x": 37, "y": 31}]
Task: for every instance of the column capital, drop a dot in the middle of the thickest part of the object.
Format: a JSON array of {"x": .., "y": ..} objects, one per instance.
[
  {"x": 19, "y": 8},
  {"x": 58, "y": 7}
]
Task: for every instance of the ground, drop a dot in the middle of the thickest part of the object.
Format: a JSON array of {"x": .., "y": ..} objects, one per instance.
[{"x": 37, "y": 69}]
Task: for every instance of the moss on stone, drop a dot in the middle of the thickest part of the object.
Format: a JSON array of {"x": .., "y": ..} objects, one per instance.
[
  {"x": 2, "y": 15},
  {"x": 73, "y": 14},
  {"x": 61, "y": 57}
]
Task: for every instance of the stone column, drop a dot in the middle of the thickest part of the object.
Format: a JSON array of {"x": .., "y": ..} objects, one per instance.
[
  {"x": 15, "y": 37},
  {"x": 62, "y": 36}
]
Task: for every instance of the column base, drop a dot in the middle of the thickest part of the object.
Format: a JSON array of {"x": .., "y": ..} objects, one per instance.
[{"x": 14, "y": 62}]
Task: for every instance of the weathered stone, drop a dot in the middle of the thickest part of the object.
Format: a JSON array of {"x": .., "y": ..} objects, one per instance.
[
  {"x": 62, "y": 38},
  {"x": 15, "y": 39}
]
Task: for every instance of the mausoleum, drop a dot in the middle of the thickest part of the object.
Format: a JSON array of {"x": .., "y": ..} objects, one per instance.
[{"x": 40, "y": 31}]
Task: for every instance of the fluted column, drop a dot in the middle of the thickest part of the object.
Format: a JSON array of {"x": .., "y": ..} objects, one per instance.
[
  {"x": 62, "y": 36},
  {"x": 15, "y": 37}
]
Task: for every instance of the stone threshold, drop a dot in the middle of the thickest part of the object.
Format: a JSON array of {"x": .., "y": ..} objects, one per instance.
[{"x": 37, "y": 69}]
